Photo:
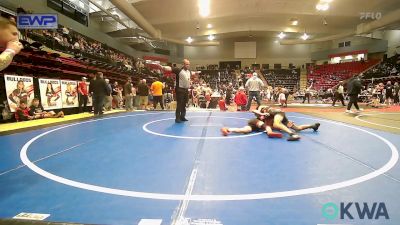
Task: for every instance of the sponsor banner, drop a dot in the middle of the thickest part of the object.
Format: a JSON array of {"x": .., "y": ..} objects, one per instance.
[
  {"x": 69, "y": 93},
  {"x": 18, "y": 88},
  {"x": 37, "y": 21},
  {"x": 50, "y": 94}
]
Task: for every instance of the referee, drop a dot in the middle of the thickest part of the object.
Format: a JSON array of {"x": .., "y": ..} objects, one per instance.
[
  {"x": 182, "y": 89},
  {"x": 254, "y": 86}
]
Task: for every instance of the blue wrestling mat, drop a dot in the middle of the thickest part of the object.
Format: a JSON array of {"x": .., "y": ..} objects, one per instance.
[{"x": 142, "y": 168}]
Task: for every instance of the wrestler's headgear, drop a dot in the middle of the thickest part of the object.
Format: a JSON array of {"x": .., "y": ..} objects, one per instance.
[{"x": 263, "y": 108}]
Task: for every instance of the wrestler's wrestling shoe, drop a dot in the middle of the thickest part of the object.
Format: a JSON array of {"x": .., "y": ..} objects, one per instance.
[
  {"x": 293, "y": 137},
  {"x": 225, "y": 131},
  {"x": 316, "y": 126},
  {"x": 274, "y": 135}
]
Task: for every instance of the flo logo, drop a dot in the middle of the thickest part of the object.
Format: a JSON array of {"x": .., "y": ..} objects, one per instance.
[{"x": 356, "y": 210}]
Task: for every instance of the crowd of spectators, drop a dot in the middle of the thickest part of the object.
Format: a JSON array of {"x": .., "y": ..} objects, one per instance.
[
  {"x": 387, "y": 68},
  {"x": 218, "y": 77},
  {"x": 288, "y": 78},
  {"x": 207, "y": 67},
  {"x": 71, "y": 42}
]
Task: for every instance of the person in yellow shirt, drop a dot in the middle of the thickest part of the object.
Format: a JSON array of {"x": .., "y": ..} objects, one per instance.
[
  {"x": 9, "y": 41},
  {"x": 156, "y": 89}
]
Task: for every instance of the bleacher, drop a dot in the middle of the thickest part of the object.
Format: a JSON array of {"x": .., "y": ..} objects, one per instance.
[
  {"x": 387, "y": 68},
  {"x": 328, "y": 75},
  {"x": 287, "y": 78},
  {"x": 217, "y": 77}
]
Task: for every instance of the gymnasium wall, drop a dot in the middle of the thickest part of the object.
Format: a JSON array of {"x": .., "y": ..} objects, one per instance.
[
  {"x": 393, "y": 38},
  {"x": 268, "y": 52},
  {"x": 320, "y": 51}
]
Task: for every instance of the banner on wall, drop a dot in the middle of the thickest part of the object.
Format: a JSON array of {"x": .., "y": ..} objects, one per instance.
[
  {"x": 90, "y": 99},
  {"x": 50, "y": 93},
  {"x": 18, "y": 88},
  {"x": 69, "y": 94}
]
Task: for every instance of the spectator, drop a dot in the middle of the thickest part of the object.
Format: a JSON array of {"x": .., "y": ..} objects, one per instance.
[
  {"x": 134, "y": 92},
  {"x": 128, "y": 95},
  {"x": 115, "y": 95},
  {"x": 108, "y": 98},
  {"x": 353, "y": 90},
  {"x": 100, "y": 90},
  {"x": 93, "y": 76},
  {"x": 229, "y": 93},
  {"x": 282, "y": 97},
  {"x": 143, "y": 92},
  {"x": 22, "y": 112},
  {"x": 9, "y": 40},
  {"x": 396, "y": 89},
  {"x": 307, "y": 95},
  {"x": 168, "y": 98},
  {"x": 37, "y": 111},
  {"x": 156, "y": 89},
  {"x": 389, "y": 92},
  {"x": 339, "y": 94},
  {"x": 83, "y": 95},
  {"x": 241, "y": 100},
  {"x": 222, "y": 104}
]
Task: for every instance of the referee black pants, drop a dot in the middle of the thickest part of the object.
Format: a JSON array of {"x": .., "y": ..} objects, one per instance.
[
  {"x": 182, "y": 97},
  {"x": 338, "y": 97},
  {"x": 156, "y": 100},
  {"x": 353, "y": 100}
]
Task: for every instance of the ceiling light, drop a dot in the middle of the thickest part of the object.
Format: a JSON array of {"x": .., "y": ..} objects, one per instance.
[
  {"x": 209, "y": 26},
  {"x": 322, "y": 6},
  {"x": 305, "y": 36},
  {"x": 189, "y": 40},
  {"x": 294, "y": 22},
  {"x": 211, "y": 37},
  {"x": 325, "y": 22},
  {"x": 204, "y": 7},
  {"x": 281, "y": 35},
  {"x": 276, "y": 41}
]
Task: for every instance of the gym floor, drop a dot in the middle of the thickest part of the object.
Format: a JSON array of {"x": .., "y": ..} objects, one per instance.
[{"x": 142, "y": 168}]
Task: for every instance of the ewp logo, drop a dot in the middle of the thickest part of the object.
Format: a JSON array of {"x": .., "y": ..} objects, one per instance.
[
  {"x": 37, "y": 21},
  {"x": 364, "y": 211}
]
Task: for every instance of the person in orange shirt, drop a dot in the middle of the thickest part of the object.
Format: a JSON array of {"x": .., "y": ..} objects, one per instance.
[{"x": 156, "y": 89}]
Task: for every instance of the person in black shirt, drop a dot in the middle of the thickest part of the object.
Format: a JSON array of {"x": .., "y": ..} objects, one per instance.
[
  {"x": 100, "y": 90},
  {"x": 389, "y": 92},
  {"x": 182, "y": 85},
  {"x": 229, "y": 92},
  {"x": 353, "y": 90},
  {"x": 396, "y": 89},
  {"x": 36, "y": 110}
]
